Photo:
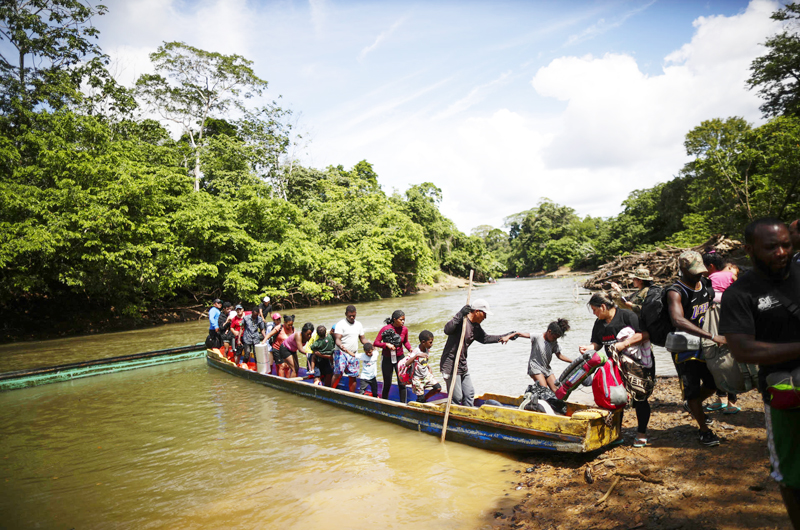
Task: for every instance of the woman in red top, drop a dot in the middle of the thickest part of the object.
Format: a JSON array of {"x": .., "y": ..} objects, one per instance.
[{"x": 392, "y": 353}]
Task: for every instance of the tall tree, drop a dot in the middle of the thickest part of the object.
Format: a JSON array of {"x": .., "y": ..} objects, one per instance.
[
  {"x": 52, "y": 51},
  {"x": 777, "y": 74},
  {"x": 198, "y": 85}
]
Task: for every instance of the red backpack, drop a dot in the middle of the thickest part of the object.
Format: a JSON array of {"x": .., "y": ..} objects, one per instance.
[{"x": 607, "y": 387}]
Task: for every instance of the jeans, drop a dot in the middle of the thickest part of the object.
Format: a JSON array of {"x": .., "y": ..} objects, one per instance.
[{"x": 464, "y": 392}]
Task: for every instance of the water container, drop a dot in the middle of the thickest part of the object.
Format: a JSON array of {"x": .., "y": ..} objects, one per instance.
[
  {"x": 263, "y": 358},
  {"x": 680, "y": 341}
]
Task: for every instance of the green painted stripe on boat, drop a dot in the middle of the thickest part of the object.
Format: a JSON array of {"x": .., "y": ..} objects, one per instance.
[{"x": 69, "y": 374}]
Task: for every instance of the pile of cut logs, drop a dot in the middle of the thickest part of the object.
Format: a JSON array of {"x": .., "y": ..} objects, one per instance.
[{"x": 662, "y": 263}]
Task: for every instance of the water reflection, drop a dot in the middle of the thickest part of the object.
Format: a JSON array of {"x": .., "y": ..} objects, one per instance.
[{"x": 186, "y": 446}]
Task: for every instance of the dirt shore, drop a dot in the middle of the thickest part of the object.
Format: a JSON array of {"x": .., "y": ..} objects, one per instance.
[{"x": 673, "y": 483}]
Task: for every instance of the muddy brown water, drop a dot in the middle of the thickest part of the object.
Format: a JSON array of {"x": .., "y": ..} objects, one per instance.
[{"x": 184, "y": 445}]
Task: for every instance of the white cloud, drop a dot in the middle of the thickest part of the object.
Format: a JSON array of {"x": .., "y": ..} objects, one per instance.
[
  {"x": 620, "y": 129},
  {"x": 380, "y": 38},
  {"x": 603, "y": 25},
  {"x": 319, "y": 13},
  {"x": 476, "y": 95}
]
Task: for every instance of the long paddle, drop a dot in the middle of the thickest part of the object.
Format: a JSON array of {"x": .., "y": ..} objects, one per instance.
[{"x": 454, "y": 374}]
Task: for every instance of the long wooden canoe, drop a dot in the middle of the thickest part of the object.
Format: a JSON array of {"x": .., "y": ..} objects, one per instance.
[
  {"x": 67, "y": 372},
  {"x": 504, "y": 428}
]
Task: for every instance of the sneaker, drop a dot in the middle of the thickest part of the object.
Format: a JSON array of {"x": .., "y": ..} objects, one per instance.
[
  {"x": 708, "y": 438},
  {"x": 686, "y": 407}
]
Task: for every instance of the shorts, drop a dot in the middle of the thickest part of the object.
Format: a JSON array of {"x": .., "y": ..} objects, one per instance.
[
  {"x": 344, "y": 365},
  {"x": 783, "y": 439},
  {"x": 322, "y": 367},
  {"x": 421, "y": 384},
  {"x": 372, "y": 384},
  {"x": 694, "y": 377},
  {"x": 282, "y": 354}
]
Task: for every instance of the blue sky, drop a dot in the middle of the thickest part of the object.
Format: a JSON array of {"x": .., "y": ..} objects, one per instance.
[{"x": 500, "y": 104}]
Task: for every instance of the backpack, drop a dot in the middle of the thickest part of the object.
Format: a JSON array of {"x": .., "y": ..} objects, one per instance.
[
  {"x": 405, "y": 371},
  {"x": 655, "y": 311},
  {"x": 655, "y": 315},
  {"x": 608, "y": 388}
]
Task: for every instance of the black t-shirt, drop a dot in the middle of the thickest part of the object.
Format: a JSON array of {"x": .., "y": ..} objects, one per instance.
[
  {"x": 606, "y": 334},
  {"x": 695, "y": 303},
  {"x": 750, "y": 308},
  {"x": 264, "y": 309}
]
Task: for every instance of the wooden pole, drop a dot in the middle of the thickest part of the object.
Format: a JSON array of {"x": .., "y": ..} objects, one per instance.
[{"x": 454, "y": 374}]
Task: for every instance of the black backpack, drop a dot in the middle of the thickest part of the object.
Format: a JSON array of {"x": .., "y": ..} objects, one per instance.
[{"x": 655, "y": 315}]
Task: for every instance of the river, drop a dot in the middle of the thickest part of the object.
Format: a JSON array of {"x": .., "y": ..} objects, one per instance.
[{"x": 184, "y": 445}]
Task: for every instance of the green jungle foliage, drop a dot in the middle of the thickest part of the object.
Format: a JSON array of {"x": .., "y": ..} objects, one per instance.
[{"x": 103, "y": 210}]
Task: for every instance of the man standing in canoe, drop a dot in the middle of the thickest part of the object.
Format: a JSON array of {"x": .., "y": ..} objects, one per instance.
[{"x": 471, "y": 317}]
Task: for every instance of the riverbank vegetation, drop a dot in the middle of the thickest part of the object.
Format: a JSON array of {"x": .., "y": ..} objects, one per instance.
[{"x": 108, "y": 213}]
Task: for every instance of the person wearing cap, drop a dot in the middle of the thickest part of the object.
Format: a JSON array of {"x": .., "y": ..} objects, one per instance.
[
  {"x": 264, "y": 308},
  {"x": 642, "y": 282},
  {"x": 224, "y": 327},
  {"x": 688, "y": 301},
  {"x": 213, "y": 322},
  {"x": 469, "y": 317},
  {"x": 236, "y": 326}
]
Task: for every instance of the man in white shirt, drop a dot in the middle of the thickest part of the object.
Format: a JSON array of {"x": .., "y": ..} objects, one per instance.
[{"x": 347, "y": 333}]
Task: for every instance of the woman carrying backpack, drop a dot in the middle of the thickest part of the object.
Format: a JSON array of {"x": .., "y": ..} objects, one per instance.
[
  {"x": 611, "y": 320},
  {"x": 391, "y": 339}
]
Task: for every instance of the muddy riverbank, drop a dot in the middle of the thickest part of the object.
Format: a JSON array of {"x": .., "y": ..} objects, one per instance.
[{"x": 674, "y": 483}]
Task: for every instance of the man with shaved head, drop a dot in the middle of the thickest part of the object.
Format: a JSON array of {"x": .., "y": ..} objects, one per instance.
[{"x": 761, "y": 322}]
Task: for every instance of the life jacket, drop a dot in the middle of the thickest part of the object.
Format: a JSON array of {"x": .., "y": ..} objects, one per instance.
[{"x": 577, "y": 371}]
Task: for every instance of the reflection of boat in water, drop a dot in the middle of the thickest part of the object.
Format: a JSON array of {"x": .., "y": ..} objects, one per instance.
[
  {"x": 500, "y": 428},
  {"x": 67, "y": 372}
]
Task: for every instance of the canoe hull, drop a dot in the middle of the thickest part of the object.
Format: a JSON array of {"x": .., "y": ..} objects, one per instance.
[
  {"x": 576, "y": 436},
  {"x": 67, "y": 372}
]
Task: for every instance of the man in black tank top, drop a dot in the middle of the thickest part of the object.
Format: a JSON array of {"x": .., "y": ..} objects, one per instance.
[{"x": 688, "y": 300}]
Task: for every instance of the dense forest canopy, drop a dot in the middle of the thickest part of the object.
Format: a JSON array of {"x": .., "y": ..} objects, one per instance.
[{"x": 102, "y": 209}]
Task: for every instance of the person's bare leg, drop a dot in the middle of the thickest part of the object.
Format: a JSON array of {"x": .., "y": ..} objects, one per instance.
[
  {"x": 551, "y": 382},
  {"x": 352, "y": 383},
  {"x": 696, "y": 407},
  {"x": 336, "y": 379}
]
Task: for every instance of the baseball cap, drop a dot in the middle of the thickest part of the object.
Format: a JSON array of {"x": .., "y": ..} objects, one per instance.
[
  {"x": 276, "y": 315},
  {"x": 481, "y": 305},
  {"x": 239, "y": 306},
  {"x": 217, "y": 301},
  {"x": 692, "y": 261},
  {"x": 266, "y": 299}
]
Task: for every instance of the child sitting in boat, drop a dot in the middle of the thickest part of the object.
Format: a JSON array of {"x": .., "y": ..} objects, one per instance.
[
  {"x": 543, "y": 346},
  {"x": 322, "y": 352},
  {"x": 369, "y": 370},
  {"x": 422, "y": 378}
]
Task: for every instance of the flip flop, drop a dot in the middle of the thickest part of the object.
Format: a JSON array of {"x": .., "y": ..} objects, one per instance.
[
  {"x": 640, "y": 442},
  {"x": 714, "y": 406},
  {"x": 731, "y": 409}
]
